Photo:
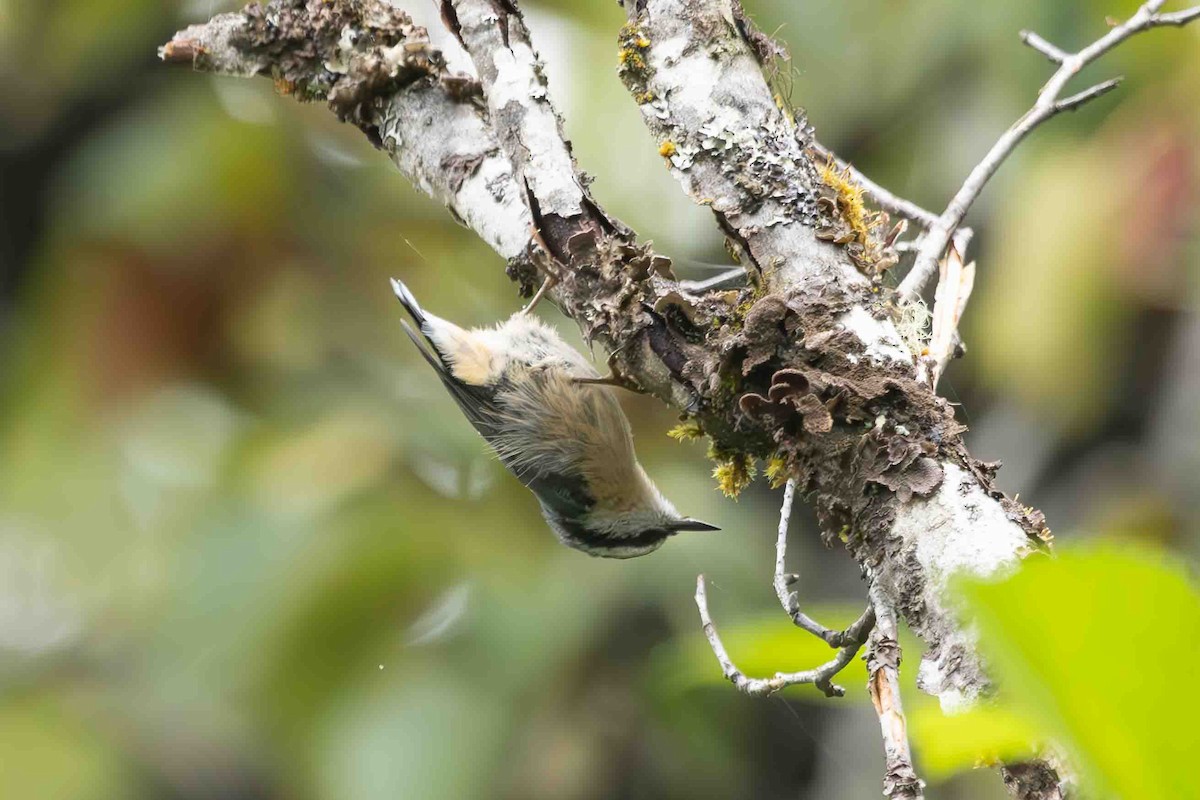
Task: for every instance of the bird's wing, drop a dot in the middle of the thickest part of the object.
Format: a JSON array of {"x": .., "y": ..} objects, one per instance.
[
  {"x": 563, "y": 496},
  {"x": 477, "y": 402}
]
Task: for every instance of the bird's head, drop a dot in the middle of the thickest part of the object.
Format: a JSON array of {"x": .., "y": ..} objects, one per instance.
[{"x": 625, "y": 535}]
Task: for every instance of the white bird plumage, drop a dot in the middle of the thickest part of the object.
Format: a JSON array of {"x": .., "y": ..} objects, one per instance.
[{"x": 568, "y": 442}]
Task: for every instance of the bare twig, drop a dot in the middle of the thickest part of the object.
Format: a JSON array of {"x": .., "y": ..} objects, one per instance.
[
  {"x": 821, "y": 677},
  {"x": 1045, "y": 48},
  {"x": 1047, "y": 106},
  {"x": 790, "y": 600},
  {"x": 883, "y": 668}
]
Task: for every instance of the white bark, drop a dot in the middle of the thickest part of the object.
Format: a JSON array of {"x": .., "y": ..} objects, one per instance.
[
  {"x": 711, "y": 102},
  {"x": 488, "y": 199},
  {"x": 444, "y": 145},
  {"x": 517, "y": 96}
]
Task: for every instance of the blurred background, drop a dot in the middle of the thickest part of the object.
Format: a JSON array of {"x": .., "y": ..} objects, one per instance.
[{"x": 249, "y": 549}]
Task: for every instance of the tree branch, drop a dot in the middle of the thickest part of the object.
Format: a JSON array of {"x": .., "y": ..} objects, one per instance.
[
  {"x": 883, "y": 682},
  {"x": 529, "y": 130},
  {"x": 815, "y": 320},
  {"x": 392, "y": 85},
  {"x": 821, "y": 677},
  {"x": 1047, "y": 106},
  {"x": 703, "y": 97},
  {"x": 790, "y": 600}
]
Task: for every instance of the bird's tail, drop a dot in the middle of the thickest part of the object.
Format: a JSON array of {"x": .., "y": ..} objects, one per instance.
[
  {"x": 409, "y": 302},
  {"x": 422, "y": 319}
]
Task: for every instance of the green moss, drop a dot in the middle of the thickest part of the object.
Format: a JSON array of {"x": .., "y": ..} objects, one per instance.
[
  {"x": 687, "y": 431},
  {"x": 735, "y": 475},
  {"x": 777, "y": 471}
]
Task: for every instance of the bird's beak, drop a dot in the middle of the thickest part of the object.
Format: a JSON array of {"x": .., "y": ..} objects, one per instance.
[{"x": 689, "y": 524}]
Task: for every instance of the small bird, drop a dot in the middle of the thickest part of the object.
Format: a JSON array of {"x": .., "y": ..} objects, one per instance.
[{"x": 535, "y": 400}]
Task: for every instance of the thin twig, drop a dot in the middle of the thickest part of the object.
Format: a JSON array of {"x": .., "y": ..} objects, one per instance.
[
  {"x": 1045, "y": 48},
  {"x": 1047, "y": 106},
  {"x": 821, "y": 677},
  {"x": 732, "y": 277},
  {"x": 790, "y": 600},
  {"x": 883, "y": 668}
]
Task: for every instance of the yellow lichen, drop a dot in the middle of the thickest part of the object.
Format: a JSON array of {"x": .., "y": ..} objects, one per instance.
[
  {"x": 631, "y": 59},
  {"x": 783, "y": 106},
  {"x": 850, "y": 200},
  {"x": 666, "y": 149},
  {"x": 734, "y": 474},
  {"x": 865, "y": 226},
  {"x": 641, "y": 98},
  {"x": 686, "y": 431},
  {"x": 777, "y": 471}
]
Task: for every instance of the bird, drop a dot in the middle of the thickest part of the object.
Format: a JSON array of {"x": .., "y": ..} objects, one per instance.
[{"x": 541, "y": 407}]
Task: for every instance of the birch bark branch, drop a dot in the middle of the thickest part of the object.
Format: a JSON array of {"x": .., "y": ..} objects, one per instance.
[{"x": 703, "y": 97}]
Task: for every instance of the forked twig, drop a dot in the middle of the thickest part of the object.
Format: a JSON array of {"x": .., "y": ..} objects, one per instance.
[
  {"x": 821, "y": 677},
  {"x": 849, "y": 641},
  {"x": 790, "y": 600},
  {"x": 1049, "y": 104}
]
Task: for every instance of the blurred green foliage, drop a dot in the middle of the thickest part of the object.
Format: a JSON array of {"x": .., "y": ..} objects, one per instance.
[
  {"x": 248, "y": 550},
  {"x": 1094, "y": 650}
]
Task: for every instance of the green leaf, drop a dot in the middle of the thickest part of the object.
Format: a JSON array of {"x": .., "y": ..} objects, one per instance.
[
  {"x": 1098, "y": 647},
  {"x": 983, "y": 736}
]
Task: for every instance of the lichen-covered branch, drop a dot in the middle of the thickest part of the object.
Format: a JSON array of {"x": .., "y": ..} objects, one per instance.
[
  {"x": 376, "y": 70},
  {"x": 495, "y": 36},
  {"x": 1050, "y": 103},
  {"x": 817, "y": 355},
  {"x": 804, "y": 366}
]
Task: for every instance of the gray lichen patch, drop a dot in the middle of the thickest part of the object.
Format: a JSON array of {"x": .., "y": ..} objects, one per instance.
[
  {"x": 725, "y": 137},
  {"x": 353, "y": 53}
]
